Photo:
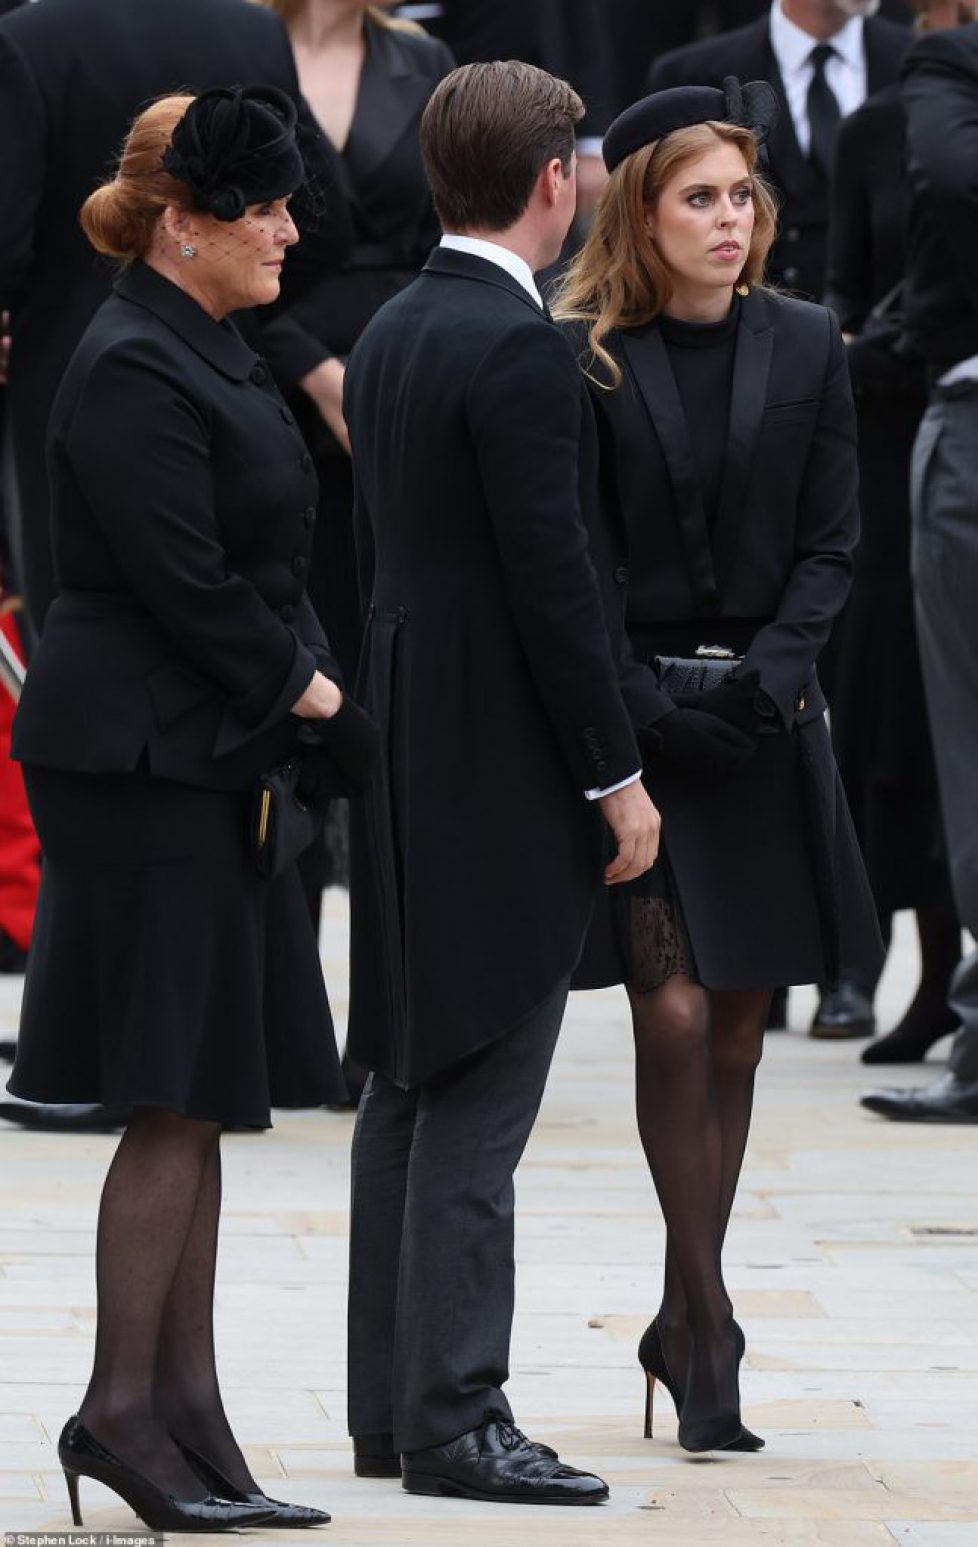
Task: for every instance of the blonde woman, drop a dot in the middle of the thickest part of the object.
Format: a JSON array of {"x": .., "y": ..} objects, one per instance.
[{"x": 730, "y": 458}]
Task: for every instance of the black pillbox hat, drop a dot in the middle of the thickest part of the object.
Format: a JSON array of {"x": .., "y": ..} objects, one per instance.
[{"x": 754, "y": 107}]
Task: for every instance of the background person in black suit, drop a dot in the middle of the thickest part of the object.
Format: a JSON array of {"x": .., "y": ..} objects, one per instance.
[
  {"x": 880, "y": 728},
  {"x": 488, "y": 664},
  {"x": 167, "y": 976},
  {"x": 72, "y": 75},
  {"x": 779, "y": 47},
  {"x": 940, "y": 94}
]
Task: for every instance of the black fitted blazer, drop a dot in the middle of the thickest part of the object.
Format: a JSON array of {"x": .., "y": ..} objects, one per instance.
[
  {"x": 487, "y": 666},
  {"x": 788, "y": 522},
  {"x": 798, "y": 256},
  {"x": 73, "y": 75},
  {"x": 183, "y": 504}
]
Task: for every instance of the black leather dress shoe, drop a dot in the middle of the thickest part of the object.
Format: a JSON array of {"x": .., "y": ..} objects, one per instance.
[
  {"x": 497, "y": 1463},
  {"x": 374, "y": 1455},
  {"x": 844, "y": 1012},
  {"x": 948, "y": 1100},
  {"x": 77, "y": 1117}
]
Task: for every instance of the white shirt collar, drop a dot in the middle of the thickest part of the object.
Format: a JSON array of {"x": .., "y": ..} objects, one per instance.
[
  {"x": 793, "y": 46},
  {"x": 503, "y": 257}
]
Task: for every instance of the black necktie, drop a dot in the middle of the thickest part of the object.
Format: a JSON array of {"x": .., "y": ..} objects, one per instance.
[{"x": 824, "y": 113}]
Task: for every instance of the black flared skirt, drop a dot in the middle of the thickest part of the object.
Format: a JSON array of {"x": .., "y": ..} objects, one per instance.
[
  {"x": 163, "y": 970},
  {"x": 761, "y": 882}
]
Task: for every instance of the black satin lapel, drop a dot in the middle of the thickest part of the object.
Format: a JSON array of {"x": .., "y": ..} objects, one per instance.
[
  {"x": 752, "y": 368},
  {"x": 649, "y": 361},
  {"x": 391, "y": 95}
]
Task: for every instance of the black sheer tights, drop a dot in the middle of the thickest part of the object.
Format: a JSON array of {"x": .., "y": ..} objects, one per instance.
[
  {"x": 696, "y": 1056},
  {"x": 154, "y": 1373}
]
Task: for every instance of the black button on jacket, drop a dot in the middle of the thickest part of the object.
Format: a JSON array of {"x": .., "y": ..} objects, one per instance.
[{"x": 177, "y": 507}]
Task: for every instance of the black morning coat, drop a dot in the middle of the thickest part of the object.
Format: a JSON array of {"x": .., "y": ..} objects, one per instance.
[
  {"x": 183, "y": 504},
  {"x": 797, "y": 259},
  {"x": 73, "y": 75},
  {"x": 487, "y": 666}
]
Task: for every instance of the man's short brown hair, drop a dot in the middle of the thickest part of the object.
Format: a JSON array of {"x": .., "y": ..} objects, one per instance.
[{"x": 486, "y": 135}]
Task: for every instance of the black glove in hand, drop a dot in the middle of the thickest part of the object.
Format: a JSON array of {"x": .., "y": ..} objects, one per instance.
[
  {"x": 697, "y": 742},
  {"x": 349, "y": 739},
  {"x": 740, "y": 701}
]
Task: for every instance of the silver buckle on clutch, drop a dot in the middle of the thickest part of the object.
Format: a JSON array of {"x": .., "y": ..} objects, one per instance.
[{"x": 715, "y": 653}]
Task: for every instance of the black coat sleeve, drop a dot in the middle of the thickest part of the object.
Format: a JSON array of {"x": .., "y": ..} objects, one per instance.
[
  {"x": 23, "y": 159},
  {"x": 940, "y": 93},
  {"x": 849, "y": 285},
  {"x": 827, "y": 531},
  {"x": 524, "y": 406},
  {"x": 139, "y": 448}
]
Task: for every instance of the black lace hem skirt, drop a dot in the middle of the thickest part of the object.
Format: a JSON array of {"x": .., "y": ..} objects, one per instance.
[
  {"x": 651, "y": 930},
  {"x": 163, "y": 970}
]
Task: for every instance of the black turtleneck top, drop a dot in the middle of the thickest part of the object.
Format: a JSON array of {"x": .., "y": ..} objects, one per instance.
[{"x": 702, "y": 358}]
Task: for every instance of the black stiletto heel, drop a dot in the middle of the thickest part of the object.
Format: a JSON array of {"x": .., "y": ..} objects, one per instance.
[
  {"x": 82, "y": 1455},
  {"x": 649, "y": 1396},
  {"x": 653, "y": 1362},
  {"x": 71, "y": 1478},
  {"x": 291, "y": 1516}
]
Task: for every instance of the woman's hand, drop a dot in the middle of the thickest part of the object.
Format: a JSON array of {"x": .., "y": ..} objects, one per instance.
[
  {"x": 325, "y": 386},
  {"x": 320, "y": 701}
]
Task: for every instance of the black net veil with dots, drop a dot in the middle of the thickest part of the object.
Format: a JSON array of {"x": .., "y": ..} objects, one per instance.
[{"x": 241, "y": 147}]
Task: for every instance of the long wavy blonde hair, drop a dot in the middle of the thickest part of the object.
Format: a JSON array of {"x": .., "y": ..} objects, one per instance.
[
  {"x": 619, "y": 279},
  {"x": 289, "y": 8}
]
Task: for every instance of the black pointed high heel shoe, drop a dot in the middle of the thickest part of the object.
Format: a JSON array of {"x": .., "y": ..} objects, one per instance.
[
  {"x": 82, "y": 1455},
  {"x": 290, "y": 1516},
  {"x": 653, "y": 1362}
]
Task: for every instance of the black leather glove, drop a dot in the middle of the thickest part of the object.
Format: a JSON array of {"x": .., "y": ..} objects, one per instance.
[
  {"x": 740, "y": 701},
  {"x": 696, "y": 742},
  {"x": 349, "y": 740}
]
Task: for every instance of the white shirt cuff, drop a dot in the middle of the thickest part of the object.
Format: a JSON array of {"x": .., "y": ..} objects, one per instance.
[{"x": 613, "y": 788}]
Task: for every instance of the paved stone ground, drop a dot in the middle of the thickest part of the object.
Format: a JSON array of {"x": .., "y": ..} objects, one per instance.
[{"x": 853, "y": 1259}]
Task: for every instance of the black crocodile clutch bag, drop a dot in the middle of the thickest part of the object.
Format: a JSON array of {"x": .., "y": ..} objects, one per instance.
[{"x": 682, "y": 676}]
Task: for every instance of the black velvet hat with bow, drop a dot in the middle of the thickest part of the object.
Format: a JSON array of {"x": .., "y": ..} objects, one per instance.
[
  {"x": 754, "y": 107},
  {"x": 237, "y": 146}
]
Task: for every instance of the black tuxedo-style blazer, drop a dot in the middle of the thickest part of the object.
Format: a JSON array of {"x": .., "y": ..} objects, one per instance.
[
  {"x": 798, "y": 257},
  {"x": 73, "y": 75},
  {"x": 940, "y": 95},
  {"x": 389, "y": 203},
  {"x": 780, "y": 553},
  {"x": 183, "y": 503},
  {"x": 487, "y": 665}
]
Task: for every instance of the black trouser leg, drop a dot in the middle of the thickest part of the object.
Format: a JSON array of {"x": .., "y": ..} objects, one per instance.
[{"x": 444, "y": 1155}]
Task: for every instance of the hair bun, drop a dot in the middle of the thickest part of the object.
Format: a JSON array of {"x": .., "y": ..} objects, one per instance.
[{"x": 114, "y": 222}]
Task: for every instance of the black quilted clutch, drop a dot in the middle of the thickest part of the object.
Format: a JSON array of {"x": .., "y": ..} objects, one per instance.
[{"x": 681, "y": 676}]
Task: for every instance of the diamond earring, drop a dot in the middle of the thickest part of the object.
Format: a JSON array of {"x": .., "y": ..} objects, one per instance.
[{"x": 188, "y": 250}]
